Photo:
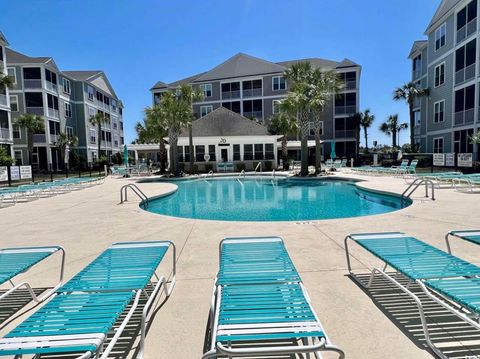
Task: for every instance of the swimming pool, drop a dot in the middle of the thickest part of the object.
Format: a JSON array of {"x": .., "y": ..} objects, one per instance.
[{"x": 264, "y": 199}]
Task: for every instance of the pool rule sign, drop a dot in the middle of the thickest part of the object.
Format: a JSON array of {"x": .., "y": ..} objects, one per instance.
[
  {"x": 3, "y": 173},
  {"x": 15, "y": 173},
  {"x": 439, "y": 159},
  {"x": 26, "y": 172},
  {"x": 465, "y": 160}
]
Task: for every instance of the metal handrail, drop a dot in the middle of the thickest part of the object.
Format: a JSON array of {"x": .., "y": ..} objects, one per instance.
[
  {"x": 242, "y": 174},
  {"x": 135, "y": 190},
  {"x": 273, "y": 173},
  {"x": 417, "y": 183},
  {"x": 256, "y": 168}
]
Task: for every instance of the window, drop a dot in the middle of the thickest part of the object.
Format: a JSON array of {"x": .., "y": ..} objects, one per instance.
[
  {"x": 231, "y": 90},
  {"x": 115, "y": 142},
  {"x": 252, "y": 88},
  {"x": 52, "y": 101},
  {"x": 269, "y": 154},
  {"x": 345, "y": 103},
  {"x": 122, "y": 140},
  {"x": 247, "y": 152},
  {"x": 114, "y": 105},
  {"x": 440, "y": 34},
  {"x": 465, "y": 59},
  {"x": 253, "y": 109},
  {"x": 232, "y": 106},
  {"x": 93, "y": 136},
  {"x": 461, "y": 144},
  {"x": 276, "y": 106},
  {"x": 207, "y": 89},
  {"x": 121, "y": 125},
  {"x": 200, "y": 153},
  {"x": 259, "y": 151},
  {"x": 187, "y": 154},
  {"x": 51, "y": 76},
  {"x": 465, "y": 99},
  {"x": 69, "y": 131},
  {"x": 91, "y": 93},
  {"x": 211, "y": 153},
  {"x": 14, "y": 103},
  {"x": 439, "y": 111},
  {"x": 440, "y": 75},
  {"x": 18, "y": 158},
  {"x": 66, "y": 86},
  {"x": 467, "y": 14},
  {"x": 114, "y": 124},
  {"x": 180, "y": 153},
  {"x": 17, "y": 134},
  {"x": 68, "y": 109},
  {"x": 236, "y": 152},
  {"x": 205, "y": 110},
  {"x": 278, "y": 83},
  {"x": 12, "y": 74},
  {"x": 417, "y": 118},
  {"x": 438, "y": 145}
]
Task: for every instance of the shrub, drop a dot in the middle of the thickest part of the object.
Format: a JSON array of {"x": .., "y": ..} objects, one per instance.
[
  {"x": 5, "y": 159},
  {"x": 241, "y": 166},
  {"x": 268, "y": 165},
  {"x": 208, "y": 167}
]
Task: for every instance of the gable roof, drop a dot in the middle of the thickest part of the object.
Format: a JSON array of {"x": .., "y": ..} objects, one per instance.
[
  {"x": 442, "y": 10},
  {"x": 223, "y": 122},
  {"x": 417, "y": 46},
  {"x": 15, "y": 57},
  {"x": 3, "y": 39},
  {"x": 82, "y": 75},
  {"x": 240, "y": 65},
  {"x": 94, "y": 77}
]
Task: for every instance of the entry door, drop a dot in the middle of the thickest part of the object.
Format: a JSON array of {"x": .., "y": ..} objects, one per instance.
[{"x": 224, "y": 154}]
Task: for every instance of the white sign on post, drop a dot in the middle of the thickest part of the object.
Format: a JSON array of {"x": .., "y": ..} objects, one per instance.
[
  {"x": 450, "y": 159},
  {"x": 465, "y": 160},
  {"x": 14, "y": 173},
  {"x": 438, "y": 159},
  {"x": 26, "y": 172},
  {"x": 3, "y": 173}
]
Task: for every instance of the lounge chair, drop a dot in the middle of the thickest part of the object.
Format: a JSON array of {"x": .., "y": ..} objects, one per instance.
[
  {"x": 84, "y": 310},
  {"x": 14, "y": 261},
  {"x": 260, "y": 306},
  {"x": 436, "y": 176},
  {"x": 472, "y": 236},
  {"x": 444, "y": 278},
  {"x": 469, "y": 181}
]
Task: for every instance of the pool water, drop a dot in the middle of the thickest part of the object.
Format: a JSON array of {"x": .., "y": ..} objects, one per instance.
[{"x": 264, "y": 199}]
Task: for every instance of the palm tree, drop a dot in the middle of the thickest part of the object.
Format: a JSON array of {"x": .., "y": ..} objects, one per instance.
[
  {"x": 391, "y": 128},
  {"x": 283, "y": 124},
  {"x": 191, "y": 95},
  {"x": 5, "y": 80},
  {"x": 98, "y": 120},
  {"x": 64, "y": 141},
  {"x": 154, "y": 130},
  {"x": 356, "y": 118},
  {"x": 32, "y": 124},
  {"x": 475, "y": 139},
  {"x": 363, "y": 120},
  {"x": 409, "y": 92}
]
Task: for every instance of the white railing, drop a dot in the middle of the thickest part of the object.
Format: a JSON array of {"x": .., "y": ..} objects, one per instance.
[
  {"x": 464, "y": 117},
  {"x": 32, "y": 83},
  {"x": 465, "y": 74},
  {"x": 4, "y": 133},
  {"x": 230, "y": 95},
  {"x": 50, "y": 86},
  {"x": 252, "y": 92},
  {"x": 351, "y": 85},
  {"x": 340, "y": 110},
  {"x": 466, "y": 30},
  {"x": 35, "y": 110},
  {"x": 53, "y": 138},
  {"x": 51, "y": 112},
  {"x": 39, "y": 138}
]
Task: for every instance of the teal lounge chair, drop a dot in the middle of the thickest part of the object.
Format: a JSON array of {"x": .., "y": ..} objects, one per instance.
[
  {"x": 14, "y": 261},
  {"x": 83, "y": 311},
  {"x": 260, "y": 306},
  {"x": 472, "y": 236},
  {"x": 470, "y": 181},
  {"x": 444, "y": 278}
]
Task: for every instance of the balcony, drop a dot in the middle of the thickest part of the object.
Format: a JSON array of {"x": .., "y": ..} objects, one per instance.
[
  {"x": 252, "y": 92},
  {"x": 254, "y": 114},
  {"x": 51, "y": 86},
  {"x": 351, "y": 85},
  {"x": 464, "y": 117},
  {"x": 3, "y": 100},
  {"x": 344, "y": 110},
  {"x": 4, "y": 133},
  {"x": 466, "y": 30},
  {"x": 53, "y": 138},
  {"x": 465, "y": 74},
  {"x": 35, "y": 110},
  {"x": 226, "y": 95},
  {"x": 51, "y": 112},
  {"x": 39, "y": 138},
  {"x": 345, "y": 134},
  {"x": 32, "y": 83}
]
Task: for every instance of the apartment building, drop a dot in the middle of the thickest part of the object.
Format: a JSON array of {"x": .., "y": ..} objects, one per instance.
[
  {"x": 66, "y": 100},
  {"x": 6, "y": 135},
  {"x": 254, "y": 87},
  {"x": 447, "y": 64}
]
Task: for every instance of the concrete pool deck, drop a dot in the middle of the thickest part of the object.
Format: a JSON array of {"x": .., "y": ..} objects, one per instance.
[{"x": 365, "y": 325}]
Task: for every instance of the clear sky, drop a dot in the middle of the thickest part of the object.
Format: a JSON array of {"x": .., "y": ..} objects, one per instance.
[{"x": 140, "y": 42}]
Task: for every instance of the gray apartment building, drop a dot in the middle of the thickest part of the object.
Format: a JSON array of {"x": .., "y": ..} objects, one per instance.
[
  {"x": 447, "y": 63},
  {"x": 6, "y": 135},
  {"x": 66, "y": 100},
  {"x": 254, "y": 87}
]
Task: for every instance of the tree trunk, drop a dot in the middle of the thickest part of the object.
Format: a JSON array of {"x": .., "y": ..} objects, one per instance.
[
  {"x": 357, "y": 139},
  {"x": 412, "y": 124},
  {"x": 99, "y": 139},
  {"x": 318, "y": 152},
  {"x": 285, "y": 152},
  {"x": 30, "y": 146},
  {"x": 304, "y": 143},
  {"x": 162, "y": 156},
  {"x": 394, "y": 139},
  {"x": 190, "y": 147},
  {"x": 366, "y": 140},
  {"x": 173, "y": 139}
]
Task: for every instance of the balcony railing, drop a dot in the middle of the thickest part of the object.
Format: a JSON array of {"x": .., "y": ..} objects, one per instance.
[
  {"x": 252, "y": 92},
  {"x": 465, "y": 74},
  {"x": 51, "y": 112},
  {"x": 345, "y": 134},
  {"x": 51, "y": 86},
  {"x": 351, "y": 85},
  {"x": 230, "y": 94},
  {"x": 3, "y": 100},
  {"x": 53, "y": 138},
  {"x": 4, "y": 133},
  {"x": 464, "y": 117},
  {"x": 254, "y": 114},
  {"x": 343, "y": 110},
  {"x": 39, "y": 138},
  {"x": 35, "y": 110},
  {"x": 467, "y": 30},
  {"x": 32, "y": 83}
]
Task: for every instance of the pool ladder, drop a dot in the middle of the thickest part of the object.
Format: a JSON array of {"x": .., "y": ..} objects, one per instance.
[
  {"x": 417, "y": 183},
  {"x": 134, "y": 188}
]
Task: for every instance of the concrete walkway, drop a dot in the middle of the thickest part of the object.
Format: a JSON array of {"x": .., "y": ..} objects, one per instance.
[{"x": 366, "y": 325}]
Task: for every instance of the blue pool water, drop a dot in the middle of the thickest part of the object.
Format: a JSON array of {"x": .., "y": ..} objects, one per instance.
[{"x": 230, "y": 199}]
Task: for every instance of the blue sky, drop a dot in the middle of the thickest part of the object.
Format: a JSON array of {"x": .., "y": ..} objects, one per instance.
[{"x": 139, "y": 42}]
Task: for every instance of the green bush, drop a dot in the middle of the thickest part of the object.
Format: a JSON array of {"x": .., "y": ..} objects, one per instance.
[
  {"x": 208, "y": 167},
  {"x": 268, "y": 165},
  {"x": 5, "y": 159},
  {"x": 241, "y": 166}
]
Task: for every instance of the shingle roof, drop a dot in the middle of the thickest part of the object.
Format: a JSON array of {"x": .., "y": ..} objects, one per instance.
[
  {"x": 443, "y": 9},
  {"x": 82, "y": 75},
  {"x": 223, "y": 122},
  {"x": 3, "y": 39},
  {"x": 417, "y": 45},
  {"x": 14, "y": 57}
]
